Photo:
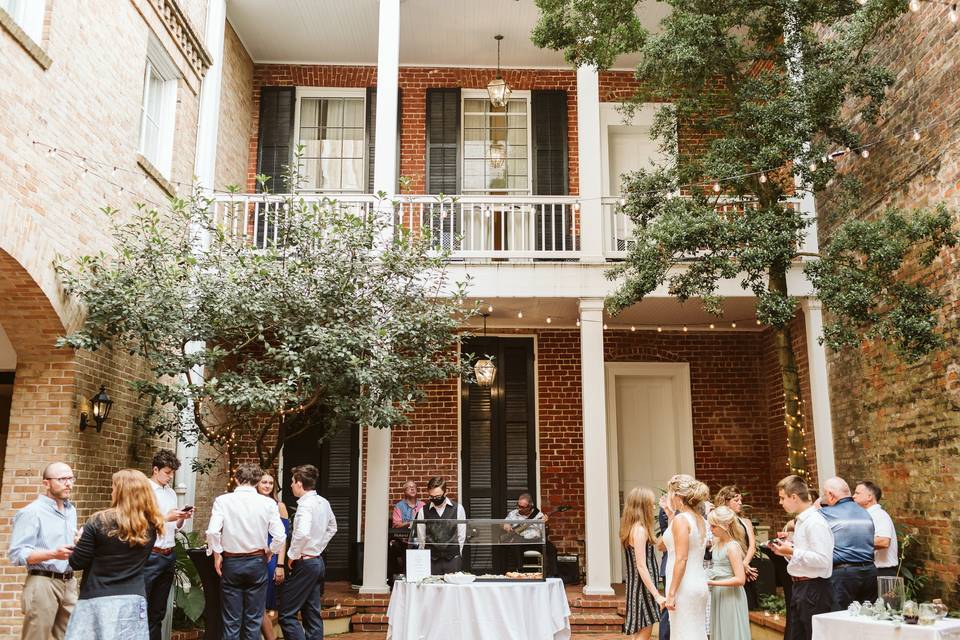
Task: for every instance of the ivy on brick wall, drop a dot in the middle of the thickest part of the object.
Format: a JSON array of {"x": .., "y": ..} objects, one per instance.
[
  {"x": 767, "y": 87},
  {"x": 328, "y": 317}
]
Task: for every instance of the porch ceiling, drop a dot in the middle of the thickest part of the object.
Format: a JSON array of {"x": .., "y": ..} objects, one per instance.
[
  {"x": 649, "y": 314},
  {"x": 449, "y": 33}
]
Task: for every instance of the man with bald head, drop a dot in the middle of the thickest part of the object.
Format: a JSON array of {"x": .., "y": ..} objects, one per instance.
[
  {"x": 42, "y": 540},
  {"x": 854, "y": 572}
]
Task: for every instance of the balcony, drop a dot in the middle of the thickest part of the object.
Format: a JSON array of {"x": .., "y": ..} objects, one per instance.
[{"x": 470, "y": 228}]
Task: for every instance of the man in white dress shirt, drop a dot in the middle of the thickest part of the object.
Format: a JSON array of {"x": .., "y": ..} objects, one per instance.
[
  {"x": 237, "y": 538},
  {"x": 313, "y": 526},
  {"x": 159, "y": 570},
  {"x": 886, "y": 553},
  {"x": 810, "y": 559}
]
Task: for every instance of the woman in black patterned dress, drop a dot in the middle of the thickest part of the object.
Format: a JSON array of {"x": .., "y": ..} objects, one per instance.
[{"x": 638, "y": 538}]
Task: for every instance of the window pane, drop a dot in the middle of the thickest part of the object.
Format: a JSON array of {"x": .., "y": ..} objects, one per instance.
[
  {"x": 353, "y": 112},
  {"x": 517, "y": 151},
  {"x": 517, "y": 136},
  {"x": 352, "y": 179},
  {"x": 154, "y": 95},
  {"x": 474, "y": 122},
  {"x": 331, "y": 112},
  {"x": 353, "y": 143},
  {"x": 518, "y": 182},
  {"x": 475, "y": 149},
  {"x": 475, "y": 105},
  {"x": 517, "y": 106},
  {"x": 311, "y": 173},
  {"x": 151, "y": 141},
  {"x": 309, "y": 109},
  {"x": 517, "y": 167},
  {"x": 331, "y": 146},
  {"x": 329, "y": 174}
]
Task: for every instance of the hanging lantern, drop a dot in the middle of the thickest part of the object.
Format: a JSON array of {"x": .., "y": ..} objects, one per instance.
[
  {"x": 498, "y": 89},
  {"x": 485, "y": 372},
  {"x": 498, "y": 154}
]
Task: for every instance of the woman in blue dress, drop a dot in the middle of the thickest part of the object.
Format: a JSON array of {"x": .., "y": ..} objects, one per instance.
[{"x": 275, "y": 571}]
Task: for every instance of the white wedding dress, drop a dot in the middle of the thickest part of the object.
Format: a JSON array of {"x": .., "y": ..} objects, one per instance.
[{"x": 688, "y": 620}]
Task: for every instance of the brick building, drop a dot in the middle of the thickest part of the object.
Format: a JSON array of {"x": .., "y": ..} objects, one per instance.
[
  {"x": 583, "y": 407},
  {"x": 898, "y": 423},
  {"x": 91, "y": 101}
]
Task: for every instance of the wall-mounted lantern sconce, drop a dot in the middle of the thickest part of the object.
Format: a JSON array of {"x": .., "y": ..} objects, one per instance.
[{"x": 97, "y": 408}]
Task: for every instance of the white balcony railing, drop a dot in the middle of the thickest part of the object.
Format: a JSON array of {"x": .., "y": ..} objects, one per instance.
[
  {"x": 618, "y": 229},
  {"x": 469, "y": 227}
]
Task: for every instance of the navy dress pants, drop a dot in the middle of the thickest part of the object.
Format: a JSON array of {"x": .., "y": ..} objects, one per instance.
[
  {"x": 300, "y": 592},
  {"x": 157, "y": 580},
  {"x": 243, "y": 593}
]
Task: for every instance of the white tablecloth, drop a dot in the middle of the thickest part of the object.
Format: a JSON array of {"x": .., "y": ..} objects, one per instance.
[
  {"x": 842, "y": 626},
  {"x": 518, "y": 610}
]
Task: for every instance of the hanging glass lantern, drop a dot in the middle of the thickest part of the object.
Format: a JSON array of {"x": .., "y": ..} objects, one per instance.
[
  {"x": 485, "y": 371},
  {"x": 498, "y": 89}
]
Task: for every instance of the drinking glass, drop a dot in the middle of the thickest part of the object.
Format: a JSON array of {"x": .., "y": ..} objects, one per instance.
[{"x": 893, "y": 592}]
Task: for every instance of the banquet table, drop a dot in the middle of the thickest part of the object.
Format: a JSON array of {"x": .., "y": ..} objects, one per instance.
[
  {"x": 516, "y": 610},
  {"x": 843, "y": 626}
]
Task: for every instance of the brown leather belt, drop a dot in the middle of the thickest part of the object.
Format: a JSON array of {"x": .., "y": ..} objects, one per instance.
[
  {"x": 800, "y": 578},
  {"x": 248, "y": 554},
  {"x": 163, "y": 551},
  {"x": 307, "y": 557},
  {"x": 51, "y": 574}
]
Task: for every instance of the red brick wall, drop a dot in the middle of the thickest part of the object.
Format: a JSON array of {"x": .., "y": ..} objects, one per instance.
[{"x": 615, "y": 86}]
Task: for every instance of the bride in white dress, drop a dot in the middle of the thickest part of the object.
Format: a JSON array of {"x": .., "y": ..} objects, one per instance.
[{"x": 685, "y": 541}]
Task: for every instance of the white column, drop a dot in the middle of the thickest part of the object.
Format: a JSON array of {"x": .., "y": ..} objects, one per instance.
[
  {"x": 590, "y": 164},
  {"x": 375, "y": 513},
  {"x": 595, "y": 487},
  {"x": 388, "y": 72},
  {"x": 819, "y": 388}
]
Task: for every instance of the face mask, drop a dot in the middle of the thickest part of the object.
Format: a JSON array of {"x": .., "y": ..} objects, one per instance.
[{"x": 438, "y": 500}]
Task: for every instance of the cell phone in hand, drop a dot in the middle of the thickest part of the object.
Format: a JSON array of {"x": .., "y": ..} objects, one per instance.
[{"x": 187, "y": 508}]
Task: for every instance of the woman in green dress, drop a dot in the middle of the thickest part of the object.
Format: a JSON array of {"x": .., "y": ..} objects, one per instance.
[{"x": 729, "y": 616}]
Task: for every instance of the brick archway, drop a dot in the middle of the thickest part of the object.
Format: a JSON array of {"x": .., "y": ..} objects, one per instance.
[{"x": 41, "y": 421}]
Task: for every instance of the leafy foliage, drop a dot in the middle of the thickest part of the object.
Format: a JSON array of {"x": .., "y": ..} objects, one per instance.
[
  {"x": 338, "y": 320},
  {"x": 188, "y": 594},
  {"x": 765, "y": 87}
]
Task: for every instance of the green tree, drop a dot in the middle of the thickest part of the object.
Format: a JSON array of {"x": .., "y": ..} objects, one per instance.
[
  {"x": 335, "y": 318},
  {"x": 772, "y": 88}
]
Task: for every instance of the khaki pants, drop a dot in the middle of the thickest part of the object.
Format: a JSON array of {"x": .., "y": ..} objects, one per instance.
[{"x": 47, "y": 605}]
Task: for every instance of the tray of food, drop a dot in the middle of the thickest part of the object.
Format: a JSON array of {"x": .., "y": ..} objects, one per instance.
[{"x": 459, "y": 578}]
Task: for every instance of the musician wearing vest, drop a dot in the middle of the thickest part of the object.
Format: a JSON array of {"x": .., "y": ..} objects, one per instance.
[
  {"x": 445, "y": 541},
  {"x": 518, "y": 534}
]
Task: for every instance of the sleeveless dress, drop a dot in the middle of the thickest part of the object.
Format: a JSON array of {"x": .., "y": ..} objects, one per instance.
[
  {"x": 730, "y": 617},
  {"x": 688, "y": 619},
  {"x": 642, "y": 607},
  {"x": 271, "y": 599}
]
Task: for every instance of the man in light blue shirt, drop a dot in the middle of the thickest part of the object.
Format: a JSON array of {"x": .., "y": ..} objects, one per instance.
[
  {"x": 854, "y": 572},
  {"x": 42, "y": 540}
]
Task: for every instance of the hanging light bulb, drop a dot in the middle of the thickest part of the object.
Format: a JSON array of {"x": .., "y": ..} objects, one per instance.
[
  {"x": 763, "y": 178},
  {"x": 549, "y": 319},
  {"x": 684, "y": 328},
  {"x": 813, "y": 166},
  {"x": 498, "y": 89},
  {"x": 659, "y": 329},
  {"x": 490, "y": 308},
  {"x": 916, "y": 132},
  {"x": 733, "y": 325},
  {"x": 954, "y": 17},
  {"x": 604, "y": 326},
  {"x": 914, "y": 5},
  {"x": 632, "y": 328},
  {"x": 716, "y": 187},
  {"x": 578, "y": 322},
  {"x": 865, "y": 153},
  {"x": 711, "y": 325},
  {"x": 520, "y": 314}
]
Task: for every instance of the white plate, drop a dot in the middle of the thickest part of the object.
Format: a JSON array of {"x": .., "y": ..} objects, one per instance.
[{"x": 459, "y": 578}]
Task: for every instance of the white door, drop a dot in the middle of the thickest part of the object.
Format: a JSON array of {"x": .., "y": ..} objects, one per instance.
[
  {"x": 650, "y": 434},
  {"x": 646, "y": 432}
]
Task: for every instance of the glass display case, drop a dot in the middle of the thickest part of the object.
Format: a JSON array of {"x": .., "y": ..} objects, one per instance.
[{"x": 488, "y": 549}]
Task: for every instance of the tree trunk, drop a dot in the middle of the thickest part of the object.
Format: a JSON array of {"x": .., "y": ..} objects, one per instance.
[{"x": 793, "y": 421}]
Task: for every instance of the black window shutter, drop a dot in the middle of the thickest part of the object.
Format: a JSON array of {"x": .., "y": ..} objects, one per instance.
[
  {"x": 553, "y": 222},
  {"x": 275, "y": 140},
  {"x": 371, "y": 135},
  {"x": 443, "y": 134},
  {"x": 549, "y": 143}
]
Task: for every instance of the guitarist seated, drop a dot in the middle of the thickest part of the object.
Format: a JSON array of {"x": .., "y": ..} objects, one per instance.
[{"x": 522, "y": 535}]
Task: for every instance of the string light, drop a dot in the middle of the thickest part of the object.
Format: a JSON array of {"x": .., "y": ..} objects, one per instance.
[
  {"x": 490, "y": 308},
  {"x": 763, "y": 178},
  {"x": 604, "y": 326},
  {"x": 733, "y": 325},
  {"x": 659, "y": 329},
  {"x": 711, "y": 325},
  {"x": 865, "y": 153},
  {"x": 716, "y": 187},
  {"x": 520, "y": 314},
  {"x": 632, "y": 328},
  {"x": 916, "y": 134},
  {"x": 954, "y": 17},
  {"x": 914, "y": 5},
  {"x": 549, "y": 320}
]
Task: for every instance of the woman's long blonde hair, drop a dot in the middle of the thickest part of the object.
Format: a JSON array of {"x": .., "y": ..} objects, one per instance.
[
  {"x": 726, "y": 518},
  {"x": 133, "y": 512},
  {"x": 638, "y": 507}
]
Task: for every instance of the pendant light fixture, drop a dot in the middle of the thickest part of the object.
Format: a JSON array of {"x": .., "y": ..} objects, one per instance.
[
  {"x": 498, "y": 89},
  {"x": 484, "y": 369}
]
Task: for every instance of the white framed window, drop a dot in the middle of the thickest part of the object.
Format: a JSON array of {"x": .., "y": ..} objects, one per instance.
[
  {"x": 496, "y": 144},
  {"x": 331, "y": 126},
  {"x": 28, "y": 14},
  {"x": 158, "y": 108}
]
